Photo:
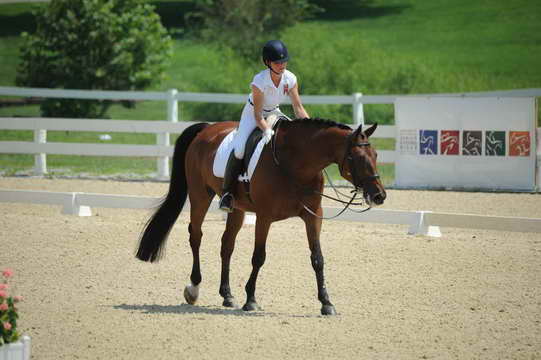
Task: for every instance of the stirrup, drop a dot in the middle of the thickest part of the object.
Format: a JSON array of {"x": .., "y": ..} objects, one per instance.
[{"x": 226, "y": 203}]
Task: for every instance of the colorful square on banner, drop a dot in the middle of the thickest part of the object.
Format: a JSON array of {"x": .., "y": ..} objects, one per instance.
[
  {"x": 450, "y": 142},
  {"x": 408, "y": 142},
  {"x": 428, "y": 142},
  {"x": 519, "y": 143},
  {"x": 472, "y": 142},
  {"x": 495, "y": 143}
]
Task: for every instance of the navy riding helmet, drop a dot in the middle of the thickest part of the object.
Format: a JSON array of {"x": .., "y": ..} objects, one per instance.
[{"x": 275, "y": 51}]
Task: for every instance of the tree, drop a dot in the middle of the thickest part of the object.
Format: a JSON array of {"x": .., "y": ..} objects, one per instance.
[
  {"x": 93, "y": 44},
  {"x": 244, "y": 25}
]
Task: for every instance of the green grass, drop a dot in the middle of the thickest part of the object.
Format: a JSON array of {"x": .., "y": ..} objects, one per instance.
[
  {"x": 60, "y": 165},
  {"x": 385, "y": 171},
  {"x": 391, "y": 47},
  {"x": 495, "y": 42}
]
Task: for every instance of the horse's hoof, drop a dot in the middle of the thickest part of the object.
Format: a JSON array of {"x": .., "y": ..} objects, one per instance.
[
  {"x": 230, "y": 302},
  {"x": 191, "y": 293},
  {"x": 328, "y": 310},
  {"x": 251, "y": 306}
]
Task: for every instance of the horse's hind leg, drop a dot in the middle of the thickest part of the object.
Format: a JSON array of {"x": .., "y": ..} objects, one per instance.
[
  {"x": 232, "y": 228},
  {"x": 199, "y": 204}
]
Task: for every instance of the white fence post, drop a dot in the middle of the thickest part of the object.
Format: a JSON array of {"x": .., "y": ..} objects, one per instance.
[
  {"x": 358, "y": 112},
  {"x": 538, "y": 156},
  {"x": 40, "y": 160},
  {"x": 163, "y": 139},
  {"x": 172, "y": 105}
]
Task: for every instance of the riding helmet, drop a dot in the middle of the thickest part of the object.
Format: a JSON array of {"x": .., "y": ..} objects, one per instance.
[{"x": 275, "y": 51}]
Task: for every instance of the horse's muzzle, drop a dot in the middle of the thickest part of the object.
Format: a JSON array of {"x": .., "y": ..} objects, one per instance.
[
  {"x": 380, "y": 197},
  {"x": 375, "y": 199}
]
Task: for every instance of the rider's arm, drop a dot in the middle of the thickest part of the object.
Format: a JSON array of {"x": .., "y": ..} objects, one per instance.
[
  {"x": 299, "y": 110},
  {"x": 257, "y": 97}
]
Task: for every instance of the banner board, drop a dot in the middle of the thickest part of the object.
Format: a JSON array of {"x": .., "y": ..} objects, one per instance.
[{"x": 466, "y": 143}]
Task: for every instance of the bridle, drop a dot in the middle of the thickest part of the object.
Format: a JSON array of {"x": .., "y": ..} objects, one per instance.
[{"x": 357, "y": 183}]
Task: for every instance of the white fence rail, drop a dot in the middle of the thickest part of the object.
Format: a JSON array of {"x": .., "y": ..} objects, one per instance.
[{"x": 173, "y": 95}]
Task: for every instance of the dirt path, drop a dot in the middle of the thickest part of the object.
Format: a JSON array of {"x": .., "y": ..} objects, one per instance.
[{"x": 468, "y": 295}]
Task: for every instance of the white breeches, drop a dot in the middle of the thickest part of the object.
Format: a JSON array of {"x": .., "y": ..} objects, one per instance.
[{"x": 247, "y": 125}]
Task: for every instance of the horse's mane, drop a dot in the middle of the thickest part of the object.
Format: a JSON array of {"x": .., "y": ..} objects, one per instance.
[{"x": 316, "y": 122}]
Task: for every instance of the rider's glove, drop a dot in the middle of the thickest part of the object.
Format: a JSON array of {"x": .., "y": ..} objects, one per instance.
[{"x": 267, "y": 135}]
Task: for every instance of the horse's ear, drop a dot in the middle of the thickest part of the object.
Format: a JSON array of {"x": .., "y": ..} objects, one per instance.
[
  {"x": 358, "y": 131},
  {"x": 370, "y": 130}
]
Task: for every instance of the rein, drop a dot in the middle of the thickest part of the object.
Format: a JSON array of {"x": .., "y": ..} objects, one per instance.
[{"x": 357, "y": 184}]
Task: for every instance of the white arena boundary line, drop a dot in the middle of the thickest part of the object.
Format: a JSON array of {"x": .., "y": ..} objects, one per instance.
[
  {"x": 420, "y": 222},
  {"x": 77, "y": 203},
  {"x": 471, "y": 221}
]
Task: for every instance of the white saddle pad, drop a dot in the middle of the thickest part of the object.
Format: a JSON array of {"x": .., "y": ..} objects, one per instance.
[{"x": 222, "y": 155}]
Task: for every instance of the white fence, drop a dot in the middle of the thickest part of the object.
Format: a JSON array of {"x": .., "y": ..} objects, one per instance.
[{"x": 162, "y": 150}]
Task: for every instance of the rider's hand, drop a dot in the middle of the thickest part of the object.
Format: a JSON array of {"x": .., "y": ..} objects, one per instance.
[{"x": 267, "y": 135}]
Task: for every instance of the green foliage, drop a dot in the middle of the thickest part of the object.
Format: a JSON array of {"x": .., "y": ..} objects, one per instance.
[
  {"x": 245, "y": 25},
  {"x": 93, "y": 44},
  {"x": 234, "y": 76},
  {"x": 351, "y": 65}
]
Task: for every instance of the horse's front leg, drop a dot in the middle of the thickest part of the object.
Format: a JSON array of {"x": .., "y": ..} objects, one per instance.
[
  {"x": 313, "y": 230},
  {"x": 258, "y": 259},
  {"x": 232, "y": 228}
]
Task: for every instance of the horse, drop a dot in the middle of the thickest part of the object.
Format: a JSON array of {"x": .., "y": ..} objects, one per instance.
[{"x": 287, "y": 182}]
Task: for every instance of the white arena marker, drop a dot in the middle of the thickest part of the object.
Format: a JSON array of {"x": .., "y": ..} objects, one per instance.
[
  {"x": 419, "y": 226},
  {"x": 249, "y": 219},
  {"x": 72, "y": 207}
]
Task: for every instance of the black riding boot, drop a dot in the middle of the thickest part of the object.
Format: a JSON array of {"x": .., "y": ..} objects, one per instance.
[{"x": 232, "y": 172}]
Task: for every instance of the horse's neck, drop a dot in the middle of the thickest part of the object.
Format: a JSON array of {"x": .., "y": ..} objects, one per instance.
[{"x": 315, "y": 149}]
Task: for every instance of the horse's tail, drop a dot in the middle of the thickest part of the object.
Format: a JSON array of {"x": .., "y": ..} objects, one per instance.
[{"x": 154, "y": 236}]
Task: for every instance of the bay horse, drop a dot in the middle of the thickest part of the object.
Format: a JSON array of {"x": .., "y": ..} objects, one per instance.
[{"x": 287, "y": 182}]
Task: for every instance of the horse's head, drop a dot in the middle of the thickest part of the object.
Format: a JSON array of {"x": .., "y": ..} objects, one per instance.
[{"x": 359, "y": 166}]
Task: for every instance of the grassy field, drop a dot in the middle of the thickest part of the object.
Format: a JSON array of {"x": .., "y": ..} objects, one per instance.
[{"x": 391, "y": 47}]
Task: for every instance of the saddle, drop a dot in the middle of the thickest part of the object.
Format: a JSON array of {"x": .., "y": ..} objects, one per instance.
[
  {"x": 252, "y": 151},
  {"x": 254, "y": 139}
]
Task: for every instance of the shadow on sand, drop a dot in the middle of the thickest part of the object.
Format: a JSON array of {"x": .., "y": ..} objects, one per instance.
[{"x": 196, "y": 309}]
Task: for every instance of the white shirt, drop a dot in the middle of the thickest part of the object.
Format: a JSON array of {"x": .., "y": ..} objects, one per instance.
[{"x": 273, "y": 96}]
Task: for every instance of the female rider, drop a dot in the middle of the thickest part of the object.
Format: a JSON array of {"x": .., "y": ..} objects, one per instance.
[{"x": 269, "y": 88}]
